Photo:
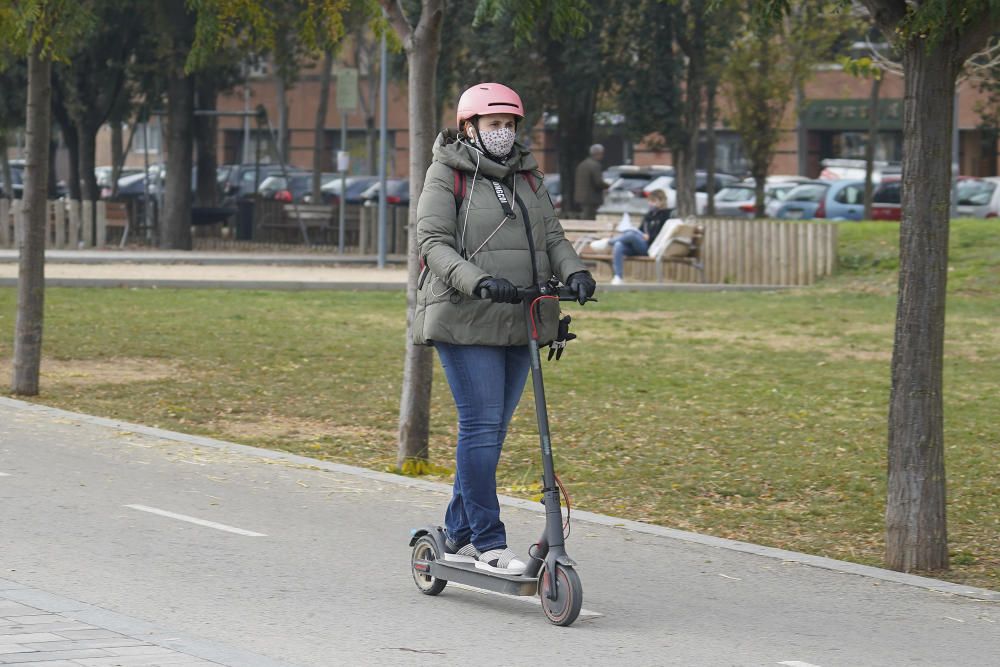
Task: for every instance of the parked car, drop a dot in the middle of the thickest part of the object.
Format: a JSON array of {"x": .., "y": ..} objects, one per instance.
[
  {"x": 133, "y": 185},
  {"x": 295, "y": 187},
  {"x": 241, "y": 181},
  {"x": 887, "y": 199},
  {"x": 978, "y": 197},
  {"x": 739, "y": 200},
  {"x": 554, "y": 185},
  {"x": 17, "y": 178},
  {"x": 834, "y": 200},
  {"x": 397, "y": 191},
  {"x": 635, "y": 179},
  {"x": 668, "y": 184},
  {"x": 844, "y": 168},
  {"x": 103, "y": 175},
  {"x": 355, "y": 186}
]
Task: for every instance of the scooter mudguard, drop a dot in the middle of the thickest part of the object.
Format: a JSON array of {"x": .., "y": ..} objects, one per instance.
[{"x": 437, "y": 532}]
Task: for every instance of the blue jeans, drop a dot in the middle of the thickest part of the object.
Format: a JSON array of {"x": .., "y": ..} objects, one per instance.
[
  {"x": 629, "y": 243},
  {"x": 486, "y": 382}
]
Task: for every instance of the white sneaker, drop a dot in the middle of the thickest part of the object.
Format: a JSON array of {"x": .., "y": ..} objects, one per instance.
[
  {"x": 467, "y": 554},
  {"x": 617, "y": 280},
  {"x": 501, "y": 561},
  {"x": 599, "y": 244}
]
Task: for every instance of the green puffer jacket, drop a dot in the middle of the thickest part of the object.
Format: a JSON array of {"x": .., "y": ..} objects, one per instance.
[{"x": 458, "y": 251}]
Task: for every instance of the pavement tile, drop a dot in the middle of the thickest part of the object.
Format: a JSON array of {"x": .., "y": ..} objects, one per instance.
[
  {"x": 6, "y": 649},
  {"x": 147, "y": 650},
  {"x": 67, "y": 644},
  {"x": 34, "y": 619},
  {"x": 64, "y": 624},
  {"x": 47, "y": 663},
  {"x": 29, "y": 637},
  {"x": 135, "y": 661},
  {"x": 11, "y": 608},
  {"x": 95, "y": 633},
  {"x": 52, "y": 656}
]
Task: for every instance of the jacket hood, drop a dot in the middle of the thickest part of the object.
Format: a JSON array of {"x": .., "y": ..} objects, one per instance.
[{"x": 462, "y": 156}]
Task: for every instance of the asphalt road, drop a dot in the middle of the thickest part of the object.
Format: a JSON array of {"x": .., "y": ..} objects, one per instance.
[{"x": 309, "y": 567}]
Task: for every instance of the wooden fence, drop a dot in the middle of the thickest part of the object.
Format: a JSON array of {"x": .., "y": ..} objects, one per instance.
[
  {"x": 70, "y": 223},
  {"x": 754, "y": 252}
]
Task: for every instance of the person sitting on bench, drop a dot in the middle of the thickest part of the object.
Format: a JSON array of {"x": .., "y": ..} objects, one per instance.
[{"x": 634, "y": 241}]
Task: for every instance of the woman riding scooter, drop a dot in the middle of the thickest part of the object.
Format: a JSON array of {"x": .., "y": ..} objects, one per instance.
[{"x": 485, "y": 226}]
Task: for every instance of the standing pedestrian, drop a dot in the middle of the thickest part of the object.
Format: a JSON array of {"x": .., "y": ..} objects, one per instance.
[
  {"x": 590, "y": 184},
  {"x": 485, "y": 221}
]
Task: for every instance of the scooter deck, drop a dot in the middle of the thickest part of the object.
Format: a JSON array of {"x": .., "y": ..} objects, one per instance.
[{"x": 466, "y": 573}]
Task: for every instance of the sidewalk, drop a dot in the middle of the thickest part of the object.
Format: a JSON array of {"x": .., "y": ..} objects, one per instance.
[
  {"x": 38, "y": 629},
  {"x": 258, "y": 271}
]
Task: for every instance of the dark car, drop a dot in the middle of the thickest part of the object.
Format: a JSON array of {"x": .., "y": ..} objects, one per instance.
[
  {"x": 887, "y": 199},
  {"x": 296, "y": 187},
  {"x": 397, "y": 191},
  {"x": 356, "y": 185},
  {"x": 17, "y": 176},
  {"x": 241, "y": 181}
]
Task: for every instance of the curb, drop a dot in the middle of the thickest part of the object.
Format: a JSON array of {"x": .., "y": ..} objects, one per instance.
[
  {"x": 201, "y": 258},
  {"x": 936, "y": 585}
]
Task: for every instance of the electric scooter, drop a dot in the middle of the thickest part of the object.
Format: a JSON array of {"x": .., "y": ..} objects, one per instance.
[{"x": 550, "y": 571}]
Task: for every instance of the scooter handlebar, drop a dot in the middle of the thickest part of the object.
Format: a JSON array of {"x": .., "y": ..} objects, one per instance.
[{"x": 562, "y": 292}]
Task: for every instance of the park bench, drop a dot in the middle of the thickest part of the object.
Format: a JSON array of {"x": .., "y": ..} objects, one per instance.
[
  {"x": 286, "y": 226},
  {"x": 682, "y": 244}
]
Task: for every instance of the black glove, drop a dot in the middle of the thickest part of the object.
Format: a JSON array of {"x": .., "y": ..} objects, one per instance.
[
  {"x": 563, "y": 337},
  {"x": 583, "y": 284},
  {"x": 498, "y": 290}
]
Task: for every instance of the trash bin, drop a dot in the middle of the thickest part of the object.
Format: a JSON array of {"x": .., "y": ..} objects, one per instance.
[{"x": 244, "y": 220}]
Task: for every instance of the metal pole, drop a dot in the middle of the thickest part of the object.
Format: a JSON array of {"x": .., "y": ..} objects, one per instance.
[
  {"x": 342, "y": 206},
  {"x": 246, "y": 115},
  {"x": 955, "y": 166},
  {"x": 383, "y": 154}
]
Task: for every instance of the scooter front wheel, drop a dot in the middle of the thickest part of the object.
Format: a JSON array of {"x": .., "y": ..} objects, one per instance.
[
  {"x": 425, "y": 552},
  {"x": 568, "y": 595}
]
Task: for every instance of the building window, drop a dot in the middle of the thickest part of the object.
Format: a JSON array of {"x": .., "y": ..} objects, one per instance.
[{"x": 147, "y": 137}]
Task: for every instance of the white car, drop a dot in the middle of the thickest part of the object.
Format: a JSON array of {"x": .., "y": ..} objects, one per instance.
[
  {"x": 667, "y": 184},
  {"x": 978, "y": 198},
  {"x": 739, "y": 200}
]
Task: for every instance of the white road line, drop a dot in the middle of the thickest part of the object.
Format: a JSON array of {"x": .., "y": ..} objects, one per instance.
[
  {"x": 200, "y": 522},
  {"x": 797, "y": 663},
  {"x": 530, "y": 599}
]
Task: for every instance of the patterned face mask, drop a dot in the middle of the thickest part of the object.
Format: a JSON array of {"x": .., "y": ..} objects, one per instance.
[{"x": 498, "y": 142}]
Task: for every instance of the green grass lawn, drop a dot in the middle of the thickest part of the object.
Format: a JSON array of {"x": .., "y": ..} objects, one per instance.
[{"x": 754, "y": 416}]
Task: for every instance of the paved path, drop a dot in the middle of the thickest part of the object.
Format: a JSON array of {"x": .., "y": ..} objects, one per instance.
[
  {"x": 252, "y": 557},
  {"x": 53, "y": 636},
  {"x": 243, "y": 270}
]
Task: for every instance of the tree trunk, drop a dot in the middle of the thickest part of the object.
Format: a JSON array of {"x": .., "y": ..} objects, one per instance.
[
  {"x": 282, "y": 119},
  {"x": 5, "y": 171},
  {"x": 371, "y": 136},
  {"x": 205, "y": 138},
  {"x": 87, "y": 159},
  {"x": 319, "y": 131},
  {"x": 916, "y": 530},
  {"x": 117, "y": 149},
  {"x": 870, "y": 146},
  {"x": 422, "y": 48},
  {"x": 710, "y": 145},
  {"x": 574, "y": 135},
  {"x": 31, "y": 266},
  {"x": 176, "y": 232},
  {"x": 685, "y": 148}
]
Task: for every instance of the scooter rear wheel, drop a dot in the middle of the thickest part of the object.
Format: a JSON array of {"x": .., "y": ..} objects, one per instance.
[
  {"x": 569, "y": 595},
  {"x": 425, "y": 552}
]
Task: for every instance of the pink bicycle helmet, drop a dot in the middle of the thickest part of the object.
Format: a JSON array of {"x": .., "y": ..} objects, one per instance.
[{"x": 486, "y": 98}]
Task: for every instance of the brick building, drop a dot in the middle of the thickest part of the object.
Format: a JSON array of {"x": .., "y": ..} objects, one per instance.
[{"x": 834, "y": 125}]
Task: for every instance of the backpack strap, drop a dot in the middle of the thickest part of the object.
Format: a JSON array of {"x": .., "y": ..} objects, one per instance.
[
  {"x": 532, "y": 178},
  {"x": 459, "y": 188}
]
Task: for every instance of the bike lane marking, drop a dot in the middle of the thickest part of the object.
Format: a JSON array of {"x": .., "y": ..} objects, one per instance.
[{"x": 195, "y": 520}]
